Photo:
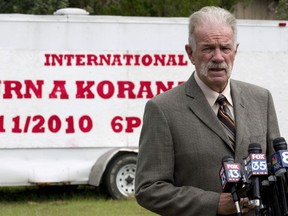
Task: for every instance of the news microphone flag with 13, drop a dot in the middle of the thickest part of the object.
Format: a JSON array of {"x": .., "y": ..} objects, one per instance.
[{"x": 229, "y": 174}]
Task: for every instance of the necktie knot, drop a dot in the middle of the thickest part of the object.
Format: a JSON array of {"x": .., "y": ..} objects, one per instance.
[{"x": 221, "y": 100}]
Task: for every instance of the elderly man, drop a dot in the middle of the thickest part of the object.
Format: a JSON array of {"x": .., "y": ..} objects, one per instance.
[{"x": 184, "y": 138}]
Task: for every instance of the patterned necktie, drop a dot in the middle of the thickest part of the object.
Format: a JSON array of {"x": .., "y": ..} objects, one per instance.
[{"x": 226, "y": 119}]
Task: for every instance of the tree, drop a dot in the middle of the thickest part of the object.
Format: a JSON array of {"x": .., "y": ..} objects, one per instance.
[
  {"x": 282, "y": 10},
  {"x": 158, "y": 8},
  {"x": 113, "y": 7},
  {"x": 32, "y": 6}
]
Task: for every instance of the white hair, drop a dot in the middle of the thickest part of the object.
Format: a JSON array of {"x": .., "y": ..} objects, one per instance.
[{"x": 214, "y": 15}]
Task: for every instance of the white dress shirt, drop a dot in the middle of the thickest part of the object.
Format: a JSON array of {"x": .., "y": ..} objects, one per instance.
[{"x": 212, "y": 96}]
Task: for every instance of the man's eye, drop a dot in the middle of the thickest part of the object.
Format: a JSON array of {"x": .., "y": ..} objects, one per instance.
[
  {"x": 226, "y": 49},
  {"x": 207, "y": 49}
]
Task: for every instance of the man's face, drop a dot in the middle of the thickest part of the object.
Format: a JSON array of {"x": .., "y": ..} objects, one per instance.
[{"x": 214, "y": 55}]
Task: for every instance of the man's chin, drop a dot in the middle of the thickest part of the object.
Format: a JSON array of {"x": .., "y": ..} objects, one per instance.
[{"x": 218, "y": 81}]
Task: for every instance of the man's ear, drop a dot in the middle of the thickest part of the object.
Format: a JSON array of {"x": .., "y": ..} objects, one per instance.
[
  {"x": 237, "y": 45},
  {"x": 189, "y": 52}
]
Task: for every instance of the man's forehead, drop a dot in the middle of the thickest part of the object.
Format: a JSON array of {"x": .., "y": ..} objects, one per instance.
[
  {"x": 210, "y": 33},
  {"x": 213, "y": 26}
]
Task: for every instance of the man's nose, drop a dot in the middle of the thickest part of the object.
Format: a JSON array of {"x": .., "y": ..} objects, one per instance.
[{"x": 217, "y": 56}]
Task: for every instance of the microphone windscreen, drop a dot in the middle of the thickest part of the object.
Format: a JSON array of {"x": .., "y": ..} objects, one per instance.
[
  {"x": 254, "y": 148},
  {"x": 227, "y": 158},
  {"x": 279, "y": 144}
]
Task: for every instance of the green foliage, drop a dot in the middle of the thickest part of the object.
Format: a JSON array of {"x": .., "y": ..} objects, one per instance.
[
  {"x": 157, "y": 8},
  {"x": 32, "y": 6},
  {"x": 282, "y": 10},
  {"x": 228, "y": 4}
]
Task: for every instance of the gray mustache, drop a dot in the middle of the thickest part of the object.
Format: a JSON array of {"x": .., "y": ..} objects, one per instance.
[{"x": 217, "y": 66}]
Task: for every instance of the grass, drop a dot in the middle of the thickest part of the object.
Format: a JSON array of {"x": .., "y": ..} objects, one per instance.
[{"x": 64, "y": 201}]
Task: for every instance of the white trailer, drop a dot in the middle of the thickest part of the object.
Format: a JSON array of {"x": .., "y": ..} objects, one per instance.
[{"x": 73, "y": 90}]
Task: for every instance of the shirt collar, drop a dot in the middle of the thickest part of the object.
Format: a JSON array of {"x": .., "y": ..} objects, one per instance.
[{"x": 211, "y": 95}]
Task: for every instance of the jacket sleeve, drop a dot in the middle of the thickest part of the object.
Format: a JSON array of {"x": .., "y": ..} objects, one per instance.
[
  {"x": 155, "y": 189},
  {"x": 273, "y": 128}
]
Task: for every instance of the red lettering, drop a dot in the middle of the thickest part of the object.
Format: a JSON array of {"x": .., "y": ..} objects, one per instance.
[
  {"x": 68, "y": 59},
  {"x": 84, "y": 91},
  {"x": 106, "y": 59},
  {"x": 145, "y": 87},
  {"x": 171, "y": 60},
  {"x": 118, "y": 124},
  {"x": 132, "y": 123},
  {"x": 162, "y": 88},
  {"x": 12, "y": 86},
  {"x": 159, "y": 58},
  {"x": 117, "y": 60},
  {"x": 182, "y": 62},
  {"x": 137, "y": 60},
  {"x": 47, "y": 62},
  {"x": 36, "y": 89},
  {"x": 59, "y": 87},
  {"x": 126, "y": 86},
  {"x": 79, "y": 60},
  {"x": 114, "y": 60},
  {"x": 109, "y": 89},
  {"x": 91, "y": 60},
  {"x": 147, "y": 60},
  {"x": 16, "y": 87},
  {"x": 128, "y": 58},
  {"x": 57, "y": 59}
]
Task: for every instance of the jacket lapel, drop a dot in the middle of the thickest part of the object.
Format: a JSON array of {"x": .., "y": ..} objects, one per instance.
[
  {"x": 201, "y": 108},
  {"x": 239, "y": 103}
]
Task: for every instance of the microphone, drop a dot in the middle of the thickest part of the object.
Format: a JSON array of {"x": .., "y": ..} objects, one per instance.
[
  {"x": 229, "y": 176},
  {"x": 256, "y": 166},
  {"x": 279, "y": 161}
]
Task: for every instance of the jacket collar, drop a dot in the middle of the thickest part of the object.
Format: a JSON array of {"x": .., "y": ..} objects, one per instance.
[{"x": 201, "y": 108}]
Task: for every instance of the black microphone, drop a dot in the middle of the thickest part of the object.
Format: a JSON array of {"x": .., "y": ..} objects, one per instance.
[
  {"x": 229, "y": 176},
  {"x": 256, "y": 166},
  {"x": 279, "y": 161}
]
